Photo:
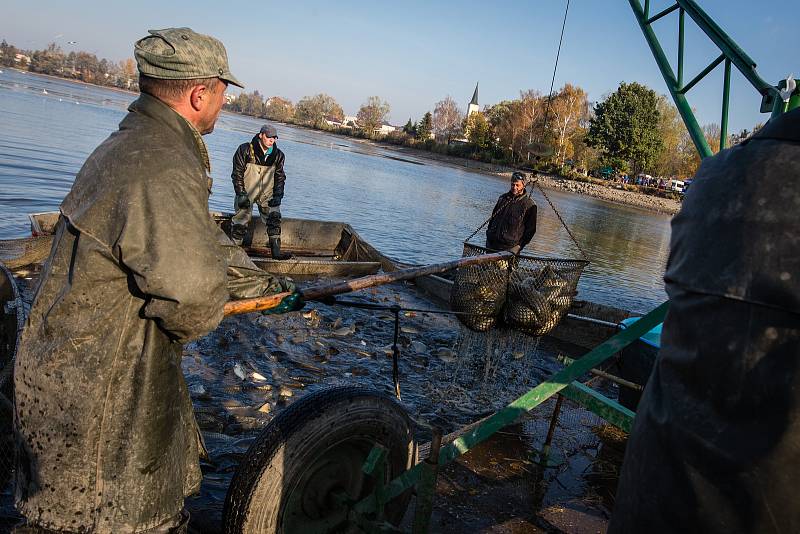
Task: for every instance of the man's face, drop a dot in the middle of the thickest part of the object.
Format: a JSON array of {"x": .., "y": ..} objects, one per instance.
[
  {"x": 215, "y": 99},
  {"x": 266, "y": 142},
  {"x": 517, "y": 187}
]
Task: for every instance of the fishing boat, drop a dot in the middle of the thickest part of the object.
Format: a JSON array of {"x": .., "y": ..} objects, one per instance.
[
  {"x": 319, "y": 248},
  {"x": 325, "y": 249}
]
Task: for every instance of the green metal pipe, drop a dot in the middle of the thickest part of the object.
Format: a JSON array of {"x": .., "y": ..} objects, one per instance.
[
  {"x": 426, "y": 489},
  {"x": 728, "y": 46},
  {"x": 686, "y": 88},
  {"x": 662, "y": 14},
  {"x": 726, "y": 98},
  {"x": 613, "y": 412},
  {"x": 695, "y": 132},
  {"x": 681, "y": 39},
  {"x": 524, "y": 404}
]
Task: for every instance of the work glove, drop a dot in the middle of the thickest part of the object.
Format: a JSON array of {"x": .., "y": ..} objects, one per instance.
[
  {"x": 293, "y": 302},
  {"x": 287, "y": 286},
  {"x": 242, "y": 201}
]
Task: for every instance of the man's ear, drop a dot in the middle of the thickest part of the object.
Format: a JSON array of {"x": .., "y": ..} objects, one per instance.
[{"x": 198, "y": 97}]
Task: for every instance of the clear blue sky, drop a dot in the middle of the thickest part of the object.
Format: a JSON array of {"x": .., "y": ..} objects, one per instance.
[{"x": 414, "y": 53}]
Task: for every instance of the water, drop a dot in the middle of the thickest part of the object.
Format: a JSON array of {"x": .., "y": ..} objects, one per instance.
[{"x": 409, "y": 208}]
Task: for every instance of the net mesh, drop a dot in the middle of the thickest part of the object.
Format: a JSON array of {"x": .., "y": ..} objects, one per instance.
[
  {"x": 11, "y": 321},
  {"x": 27, "y": 251},
  {"x": 528, "y": 293}
]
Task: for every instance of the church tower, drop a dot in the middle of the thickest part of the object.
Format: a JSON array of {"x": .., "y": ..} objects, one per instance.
[{"x": 473, "y": 105}]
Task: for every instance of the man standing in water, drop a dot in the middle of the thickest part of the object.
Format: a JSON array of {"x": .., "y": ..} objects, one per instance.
[
  {"x": 106, "y": 436},
  {"x": 258, "y": 176},
  {"x": 513, "y": 221}
]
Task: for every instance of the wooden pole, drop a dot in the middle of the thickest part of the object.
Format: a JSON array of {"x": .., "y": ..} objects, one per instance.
[{"x": 347, "y": 286}]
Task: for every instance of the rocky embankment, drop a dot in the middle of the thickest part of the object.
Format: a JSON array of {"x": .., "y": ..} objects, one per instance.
[{"x": 611, "y": 194}]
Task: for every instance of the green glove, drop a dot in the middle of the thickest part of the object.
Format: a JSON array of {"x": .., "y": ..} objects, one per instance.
[
  {"x": 242, "y": 201},
  {"x": 293, "y": 302}
]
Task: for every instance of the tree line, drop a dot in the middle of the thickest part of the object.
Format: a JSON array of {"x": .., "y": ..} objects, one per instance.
[
  {"x": 632, "y": 130},
  {"x": 74, "y": 65}
]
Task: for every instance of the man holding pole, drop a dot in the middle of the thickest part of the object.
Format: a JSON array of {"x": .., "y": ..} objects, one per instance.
[{"x": 106, "y": 436}]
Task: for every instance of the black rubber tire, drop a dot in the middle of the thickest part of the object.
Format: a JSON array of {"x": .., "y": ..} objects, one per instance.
[{"x": 313, "y": 431}]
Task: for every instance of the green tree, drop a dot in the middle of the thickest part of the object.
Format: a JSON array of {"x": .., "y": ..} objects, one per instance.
[
  {"x": 372, "y": 114},
  {"x": 478, "y": 131},
  {"x": 625, "y": 128},
  {"x": 410, "y": 128},
  {"x": 425, "y": 126}
]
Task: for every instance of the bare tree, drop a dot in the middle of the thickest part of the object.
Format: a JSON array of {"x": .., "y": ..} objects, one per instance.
[
  {"x": 446, "y": 119},
  {"x": 569, "y": 110},
  {"x": 278, "y": 109},
  {"x": 372, "y": 114}
]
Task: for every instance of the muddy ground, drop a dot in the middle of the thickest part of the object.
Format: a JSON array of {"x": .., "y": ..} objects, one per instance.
[{"x": 253, "y": 366}]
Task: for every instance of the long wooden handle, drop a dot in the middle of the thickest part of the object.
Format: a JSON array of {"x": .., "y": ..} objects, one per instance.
[
  {"x": 236, "y": 307},
  {"x": 326, "y": 290},
  {"x": 346, "y": 286}
]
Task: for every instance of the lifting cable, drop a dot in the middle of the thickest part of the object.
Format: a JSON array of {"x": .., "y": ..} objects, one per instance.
[{"x": 544, "y": 129}]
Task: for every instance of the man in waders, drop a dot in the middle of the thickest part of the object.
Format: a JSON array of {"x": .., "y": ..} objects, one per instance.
[
  {"x": 715, "y": 446},
  {"x": 258, "y": 177},
  {"x": 106, "y": 436},
  {"x": 513, "y": 221}
]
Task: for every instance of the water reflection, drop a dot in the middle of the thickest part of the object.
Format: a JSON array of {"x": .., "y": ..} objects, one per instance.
[{"x": 408, "y": 207}]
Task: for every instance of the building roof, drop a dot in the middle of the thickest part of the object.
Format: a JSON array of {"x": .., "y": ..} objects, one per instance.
[{"x": 475, "y": 95}]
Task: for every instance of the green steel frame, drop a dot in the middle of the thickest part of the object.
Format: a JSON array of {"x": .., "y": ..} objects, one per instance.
[
  {"x": 730, "y": 54},
  {"x": 563, "y": 382},
  {"x": 368, "y": 513}
]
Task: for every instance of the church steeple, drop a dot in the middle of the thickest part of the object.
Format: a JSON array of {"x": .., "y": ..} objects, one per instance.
[{"x": 473, "y": 105}]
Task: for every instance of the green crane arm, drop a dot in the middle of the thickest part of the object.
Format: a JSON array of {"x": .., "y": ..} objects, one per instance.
[{"x": 730, "y": 54}]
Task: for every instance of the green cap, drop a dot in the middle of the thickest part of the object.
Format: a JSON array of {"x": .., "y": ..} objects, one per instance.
[{"x": 182, "y": 54}]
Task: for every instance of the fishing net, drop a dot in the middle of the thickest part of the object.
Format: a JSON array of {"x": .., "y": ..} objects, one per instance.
[
  {"x": 530, "y": 294},
  {"x": 11, "y": 320},
  {"x": 24, "y": 252}
]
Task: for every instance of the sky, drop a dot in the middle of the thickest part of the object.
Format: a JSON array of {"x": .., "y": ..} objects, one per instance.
[{"x": 414, "y": 53}]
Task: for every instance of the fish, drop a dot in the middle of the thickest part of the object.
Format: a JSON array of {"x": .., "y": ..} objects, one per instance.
[
  {"x": 238, "y": 370},
  {"x": 344, "y": 331}
]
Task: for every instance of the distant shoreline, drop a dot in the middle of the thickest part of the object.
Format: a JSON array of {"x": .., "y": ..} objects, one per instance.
[
  {"x": 603, "y": 192},
  {"x": 73, "y": 80},
  {"x": 608, "y": 193}
]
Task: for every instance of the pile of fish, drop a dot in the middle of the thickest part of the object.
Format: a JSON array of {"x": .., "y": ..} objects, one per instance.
[{"x": 531, "y": 298}]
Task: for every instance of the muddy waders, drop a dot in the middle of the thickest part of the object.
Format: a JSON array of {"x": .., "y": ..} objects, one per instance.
[{"x": 259, "y": 181}]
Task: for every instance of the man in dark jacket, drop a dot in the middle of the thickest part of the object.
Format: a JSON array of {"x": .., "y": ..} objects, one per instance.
[
  {"x": 715, "y": 446},
  {"x": 258, "y": 177},
  {"x": 106, "y": 436},
  {"x": 513, "y": 221}
]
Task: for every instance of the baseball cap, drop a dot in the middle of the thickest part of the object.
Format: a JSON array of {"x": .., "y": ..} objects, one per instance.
[
  {"x": 269, "y": 130},
  {"x": 182, "y": 54}
]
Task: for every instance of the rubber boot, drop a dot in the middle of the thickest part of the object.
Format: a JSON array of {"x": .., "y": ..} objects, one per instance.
[
  {"x": 275, "y": 246},
  {"x": 238, "y": 233}
]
